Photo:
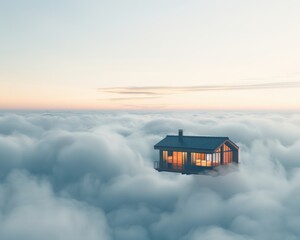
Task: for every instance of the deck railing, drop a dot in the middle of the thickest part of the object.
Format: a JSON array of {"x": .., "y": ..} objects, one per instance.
[{"x": 156, "y": 164}]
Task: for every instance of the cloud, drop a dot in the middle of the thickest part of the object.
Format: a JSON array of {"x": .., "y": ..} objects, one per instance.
[
  {"x": 130, "y": 92},
  {"x": 168, "y": 90},
  {"x": 130, "y": 98},
  {"x": 90, "y": 175},
  {"x": 32, "y": 211}
]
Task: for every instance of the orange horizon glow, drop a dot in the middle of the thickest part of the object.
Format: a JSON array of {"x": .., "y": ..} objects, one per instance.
[
  {"x": 188, "y": 98},
  {"x": 141, "y": 108}
]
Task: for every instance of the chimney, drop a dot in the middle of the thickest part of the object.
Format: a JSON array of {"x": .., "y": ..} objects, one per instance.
[{"x": 180, "y": 134}]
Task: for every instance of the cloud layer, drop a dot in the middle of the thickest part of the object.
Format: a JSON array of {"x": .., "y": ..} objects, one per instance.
[{"x": 90, "y": 176}]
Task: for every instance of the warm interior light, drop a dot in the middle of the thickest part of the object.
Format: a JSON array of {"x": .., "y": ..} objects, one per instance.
[{"x": 177, "y": 159}]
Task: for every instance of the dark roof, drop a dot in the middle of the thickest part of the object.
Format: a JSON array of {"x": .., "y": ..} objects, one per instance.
[{"x": 192, "y": 142}]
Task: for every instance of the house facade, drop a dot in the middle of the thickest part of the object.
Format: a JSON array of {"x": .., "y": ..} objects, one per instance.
[{"x": 193, "y": 154}]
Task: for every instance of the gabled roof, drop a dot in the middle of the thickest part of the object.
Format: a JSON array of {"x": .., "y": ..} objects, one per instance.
[{"x": 205, "y": 143}]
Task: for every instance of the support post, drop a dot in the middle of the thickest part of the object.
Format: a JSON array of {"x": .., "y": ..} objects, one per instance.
[{"x": 222, "y": 155}]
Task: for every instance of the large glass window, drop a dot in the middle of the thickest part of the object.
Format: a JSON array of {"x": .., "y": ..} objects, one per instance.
[
  {"x": 227, "y": 155},
  {"x": 202, "y": 159},
  {"x": 175, "y": 159},
  {"x": 217, "y": 157}
]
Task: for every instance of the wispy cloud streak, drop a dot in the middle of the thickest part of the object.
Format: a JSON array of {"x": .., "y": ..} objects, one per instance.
[
  {"x": 129, "y": 98},
  {"x": 167, "y": 90}
]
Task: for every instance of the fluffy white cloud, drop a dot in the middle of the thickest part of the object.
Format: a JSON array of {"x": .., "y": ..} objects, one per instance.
[
  {"x": 90, "y": 176},
  {"x": 30, "y": 210}
]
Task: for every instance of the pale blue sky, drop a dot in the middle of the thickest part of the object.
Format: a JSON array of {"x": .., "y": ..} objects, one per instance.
[{"x": 56, "y": 54}]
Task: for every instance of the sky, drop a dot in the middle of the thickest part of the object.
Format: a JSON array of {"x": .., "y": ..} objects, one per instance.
[
  {"x": 215, "y": 55},
  {"x": 86, "y": 175}
]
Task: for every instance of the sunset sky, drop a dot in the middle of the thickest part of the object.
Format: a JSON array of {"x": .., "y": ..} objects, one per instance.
[{"x": 166, "y": 54}]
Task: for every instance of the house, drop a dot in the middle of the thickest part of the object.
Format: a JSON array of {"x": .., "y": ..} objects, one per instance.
[{"x": 193, "y": 154}]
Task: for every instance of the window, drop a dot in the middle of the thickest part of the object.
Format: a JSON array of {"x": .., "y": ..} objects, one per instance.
[
  {"x": 177, "y": 159},
  {"x": 227, "y": 154},
  {"x": 165, "y": 155},
  {"x": 217, "y": 157},
  {"x": 201, "y": 159}
]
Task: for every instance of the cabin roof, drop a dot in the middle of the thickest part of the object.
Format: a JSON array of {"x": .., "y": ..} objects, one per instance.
[{"x": 205, "y": 143}]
